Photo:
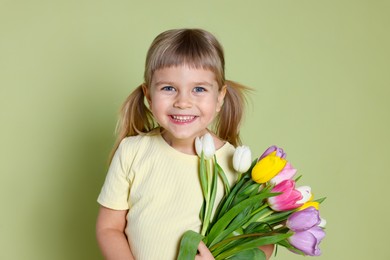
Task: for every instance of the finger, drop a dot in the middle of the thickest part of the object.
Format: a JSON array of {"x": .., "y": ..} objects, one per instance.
[
  {"x": 202, "y": 248},
  {"x": 204, "y": 252}
]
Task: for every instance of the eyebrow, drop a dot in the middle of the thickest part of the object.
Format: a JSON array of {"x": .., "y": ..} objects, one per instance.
[
  {"x": 163, "y": 83},
  {"x": 200, "y": 83}
]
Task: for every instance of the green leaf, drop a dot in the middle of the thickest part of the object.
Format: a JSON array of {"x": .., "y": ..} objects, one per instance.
[
  {"x": 189, "y": 245},
  {"x": 277, "y": 217},
  {"x": 253, "y": 187},
  {"x": 226, "y": 202},
  {"x": 206, "y": 221},
  {"x": 259, "y": 214},
  {"x": 240, "y": 194},
  {"x": 245, "y": 216},
  {"x": 237, "y": 223},
  {"x": 253, "y": 243},
  {"x": 297, "y": 178},
  {"x": 222, "y": 174},
  {"x": 202, "y": 211},
  {"x": 203, "y": 175},
  {"x": 224, "y": 221},
  {"x": 225, "y": 245},
  {"x": 258, "y": 227},
  {"x": 255, "y": 254},
  {"x": 320, "y": 200}
]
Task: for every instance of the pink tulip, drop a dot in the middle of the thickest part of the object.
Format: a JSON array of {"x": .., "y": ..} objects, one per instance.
[
  {"x": 285, "y": 174},
  {"x": 288, "y": 198}
]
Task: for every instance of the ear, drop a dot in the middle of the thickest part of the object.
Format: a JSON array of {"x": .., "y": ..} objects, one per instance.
[
  {"x": 221, "y": 97},
  {"x": 146, "y": 92}
]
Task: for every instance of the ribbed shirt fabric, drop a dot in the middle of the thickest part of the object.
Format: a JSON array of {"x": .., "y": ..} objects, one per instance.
[{"x": 161, "y": 189}]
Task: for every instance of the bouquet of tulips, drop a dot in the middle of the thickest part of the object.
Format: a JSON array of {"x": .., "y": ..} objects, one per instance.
[{"x": 263, "y": 207}]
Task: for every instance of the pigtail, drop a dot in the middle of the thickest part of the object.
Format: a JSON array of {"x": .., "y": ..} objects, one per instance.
[
  {"x": 135, "y": 118},
  {"x": 229, "y": 120}
]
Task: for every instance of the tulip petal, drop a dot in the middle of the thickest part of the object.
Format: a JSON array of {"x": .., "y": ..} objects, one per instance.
[
  {"x": 198, "y": 146},
  {"x": 285, "y": 174},
  {"x": 322, "y": 223},
  {"x": 306, "y": 194},
  {"x": 303, "y": 220},
  {"x": 306, "y": 242},
  {"x": 269, "y": 150},
  {"x": 280, "y": 153},
  {"x": 242, "y": 159},
  {"x": 208, "y": 146},
  {"x": 237, "y": 158},
  {"x": 318, "y": 232},
  {"x": 288, "y": 198},
  {"x": 246, "y": 160},
  {"x": 314, "y": 204},
  {"x": 267, "y": 168}
]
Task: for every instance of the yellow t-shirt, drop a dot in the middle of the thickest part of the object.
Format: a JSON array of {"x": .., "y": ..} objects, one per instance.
[{"x": 161, "y": 189}]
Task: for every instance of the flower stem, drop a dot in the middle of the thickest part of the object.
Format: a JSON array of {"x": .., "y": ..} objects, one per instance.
[
  {"x": 210, "y": 196},
  {"x": 239, "y": 177},
  {"x": 214, "y": 247},
  {"x": 254, "y": 216}
]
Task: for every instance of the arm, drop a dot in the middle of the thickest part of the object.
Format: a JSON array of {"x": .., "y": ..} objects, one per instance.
[
  {"x": 110, "y": 234},
  {"x": 268, "y": 250}
]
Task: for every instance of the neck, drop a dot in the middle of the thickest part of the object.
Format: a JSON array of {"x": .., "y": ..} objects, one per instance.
[{"x": 186, "y": 146}]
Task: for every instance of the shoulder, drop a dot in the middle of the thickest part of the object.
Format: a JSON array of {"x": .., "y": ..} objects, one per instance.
[
  {"x": 136, "y": 141},
  {"x": 134, "y": 148},
  {"x": 223, "y": 147},
  {"x": 225, "y": 160},
  {"x": 226, "y": 149},
  {"x": 225, "y": 154}
]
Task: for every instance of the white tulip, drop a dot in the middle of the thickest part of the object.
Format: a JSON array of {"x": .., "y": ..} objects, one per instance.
[
  {"x": 198, "y": 146},
  {"x": 242, "y": 159},
  {"x": 205, "y": 144},
  {"x": 322, "y": 223},
  {"x": 306, "y": 194}
]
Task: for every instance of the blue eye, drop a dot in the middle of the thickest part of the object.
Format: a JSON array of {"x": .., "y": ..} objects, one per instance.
[
  {"x": 168, "y": 88},
  {"x": 199, "y": 89}
]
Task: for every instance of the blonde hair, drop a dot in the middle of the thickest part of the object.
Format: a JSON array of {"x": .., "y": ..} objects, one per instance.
[{"x": 195, "y": 48}]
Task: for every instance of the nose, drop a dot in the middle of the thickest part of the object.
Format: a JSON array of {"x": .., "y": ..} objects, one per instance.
[{"x": 183, "y": 101}]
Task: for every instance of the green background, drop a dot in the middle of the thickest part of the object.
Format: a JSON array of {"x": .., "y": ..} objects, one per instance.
[{"x": 321, "y": 74}]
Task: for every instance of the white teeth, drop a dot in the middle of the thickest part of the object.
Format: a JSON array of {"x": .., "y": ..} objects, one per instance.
[{"x": 183, "y": 118}]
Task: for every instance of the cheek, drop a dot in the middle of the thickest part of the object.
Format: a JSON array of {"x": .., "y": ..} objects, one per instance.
[
  {"x": 212, "y": 107},
  {"x": 158, "y": 105}
]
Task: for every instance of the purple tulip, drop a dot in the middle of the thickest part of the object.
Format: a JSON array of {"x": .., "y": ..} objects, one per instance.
[
  {"x": 279, "y": 152},
  {"x": 304, "y": 219},
  {"x": 308, "y": 241},
  {"x": 307, "y": 234}
]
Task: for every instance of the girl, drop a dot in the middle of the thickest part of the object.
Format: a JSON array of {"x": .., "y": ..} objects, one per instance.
[{"x": 152, "y": 193}]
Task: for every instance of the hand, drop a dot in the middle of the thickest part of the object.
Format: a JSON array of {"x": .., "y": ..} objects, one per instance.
[
  {"x": 204, "y": 252},
  {"x": 268, "y": 250}
]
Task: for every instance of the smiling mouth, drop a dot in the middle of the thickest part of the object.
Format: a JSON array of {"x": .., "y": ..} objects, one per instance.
[{"x": 183, "y": 119}]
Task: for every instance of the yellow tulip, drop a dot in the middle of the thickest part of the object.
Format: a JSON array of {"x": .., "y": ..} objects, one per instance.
[
  {"x": 314, "y": 204},
  {"x": 268, "y": 167}
]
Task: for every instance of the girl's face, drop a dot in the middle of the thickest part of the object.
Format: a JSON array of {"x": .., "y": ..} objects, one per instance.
[{"x": 184, "y": 101}]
